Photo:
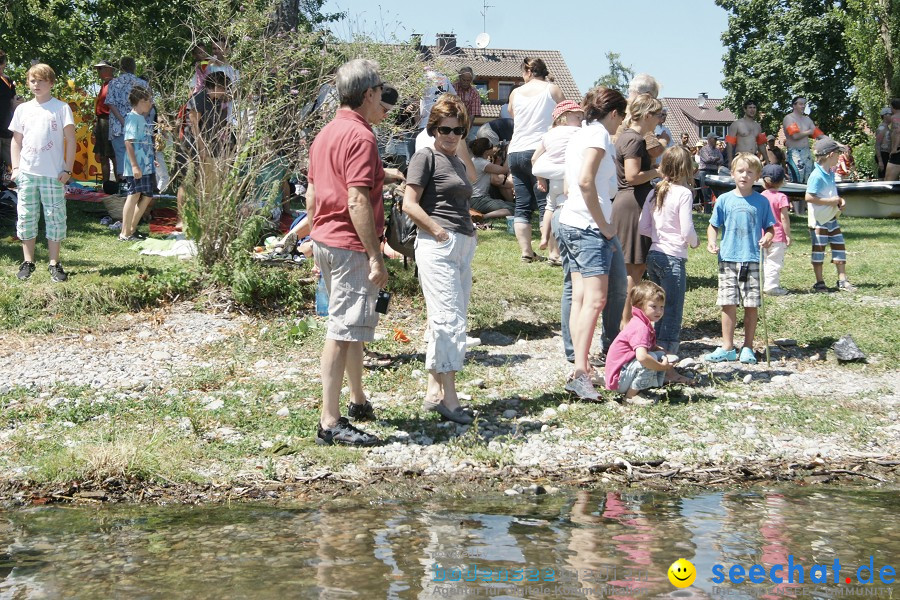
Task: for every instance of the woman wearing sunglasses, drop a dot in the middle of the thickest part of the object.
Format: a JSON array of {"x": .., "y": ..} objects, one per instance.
[{"x": 437, "y": 200}]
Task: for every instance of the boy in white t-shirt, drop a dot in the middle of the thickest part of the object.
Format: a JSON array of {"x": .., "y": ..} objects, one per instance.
[{"x": 43, "y": 154}]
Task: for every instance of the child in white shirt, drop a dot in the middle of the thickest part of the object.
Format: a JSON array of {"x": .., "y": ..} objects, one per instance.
[{"x": 549, "y": 165}]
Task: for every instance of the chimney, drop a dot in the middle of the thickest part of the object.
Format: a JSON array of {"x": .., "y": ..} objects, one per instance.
[
  {"x": 416, "y": 40},
  {"x": 446, "y": 43}
]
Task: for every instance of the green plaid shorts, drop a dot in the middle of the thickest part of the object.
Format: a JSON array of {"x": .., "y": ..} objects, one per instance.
[{"x": 34, "y": 191}]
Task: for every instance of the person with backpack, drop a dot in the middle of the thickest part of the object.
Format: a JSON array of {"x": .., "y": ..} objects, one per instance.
[{"x": 438, "y": 191}]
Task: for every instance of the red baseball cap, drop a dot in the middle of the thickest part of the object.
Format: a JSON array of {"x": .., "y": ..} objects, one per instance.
[{"x": 564, "y": 107}]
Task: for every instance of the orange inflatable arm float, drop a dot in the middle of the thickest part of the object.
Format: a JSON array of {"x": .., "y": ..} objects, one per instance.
[
  {"x": 730, "y": 139},
  {"x": 817, "y": 133},
  {"x": 792, "y": 129},
  {"x": 761, "y": 138}
]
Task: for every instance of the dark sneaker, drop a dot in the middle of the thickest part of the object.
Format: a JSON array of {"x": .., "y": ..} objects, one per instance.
[
  {"x": 597, "y": 360},
  {"x": 361, "y": 412},
  {"x": 345, "y": 434},
  {"x": 25, "y": 270},
  {"x": 57, "y": 273},
  {"x": 820, "y": 287}
]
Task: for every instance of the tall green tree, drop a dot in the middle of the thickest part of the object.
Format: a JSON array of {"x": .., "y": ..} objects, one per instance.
[
  {"x": 619, "y": 76},
  {"x": 873, "y": 41},
  {"x": 777, "y": 50},
  {"x": 70, "y": 35}
]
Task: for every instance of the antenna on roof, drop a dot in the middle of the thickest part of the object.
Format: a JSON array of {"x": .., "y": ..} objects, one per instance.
[
  {"x": 483, "y": 38},
  {"x": 485, "y": 7}
]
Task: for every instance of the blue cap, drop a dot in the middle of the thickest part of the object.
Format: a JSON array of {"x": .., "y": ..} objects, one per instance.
[{"x": 774, "y": 173}]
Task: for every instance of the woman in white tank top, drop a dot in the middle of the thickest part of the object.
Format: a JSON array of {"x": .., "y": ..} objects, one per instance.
[{"x": 531, "y": 107}]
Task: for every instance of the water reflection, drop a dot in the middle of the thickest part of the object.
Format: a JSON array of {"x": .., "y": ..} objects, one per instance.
[{"x": 586, "y": 545}]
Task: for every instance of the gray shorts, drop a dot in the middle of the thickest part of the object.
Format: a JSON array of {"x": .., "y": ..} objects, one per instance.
[
  {"x": 637, "y": 377},
  {"x": 486, "y": 204},
  {"x": 351, "y": 296},
  {"x": 732, "y": 289}
]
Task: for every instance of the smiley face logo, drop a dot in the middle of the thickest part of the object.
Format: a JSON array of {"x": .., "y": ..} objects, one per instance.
[{"x": 682, "y": 573}]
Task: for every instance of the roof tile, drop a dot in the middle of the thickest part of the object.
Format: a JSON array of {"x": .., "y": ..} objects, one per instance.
[
  {"x": 686, "y": 117},
  {"x": 500, "y": 62}
]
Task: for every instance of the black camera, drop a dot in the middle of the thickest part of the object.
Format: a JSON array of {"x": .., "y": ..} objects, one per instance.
[
  {"x": 744, "y": 273},
  {"x": 384, "y": 299}
]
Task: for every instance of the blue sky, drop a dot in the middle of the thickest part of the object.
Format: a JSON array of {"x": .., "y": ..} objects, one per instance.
[{"x": 677, "y": 41}]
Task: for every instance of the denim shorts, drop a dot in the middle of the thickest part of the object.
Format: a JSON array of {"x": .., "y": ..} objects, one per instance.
[
  {"x": 590, "y": 254},
  {"x": 635, "y": 376}
]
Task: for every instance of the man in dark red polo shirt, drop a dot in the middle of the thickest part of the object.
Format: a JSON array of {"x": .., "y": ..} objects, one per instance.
[
  {"x": 344, "y": 205},
  {"x": 103, "y": 148}
]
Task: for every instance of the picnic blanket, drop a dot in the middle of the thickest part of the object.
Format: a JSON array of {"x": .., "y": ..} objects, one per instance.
[
  {"x": 83, "y": 194},
  {"x": 285, "y": 222},
  {"x": 163, "y": 220}
]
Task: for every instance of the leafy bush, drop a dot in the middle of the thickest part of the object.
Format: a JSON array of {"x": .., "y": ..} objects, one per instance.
[{"x": 864, "y": 155}]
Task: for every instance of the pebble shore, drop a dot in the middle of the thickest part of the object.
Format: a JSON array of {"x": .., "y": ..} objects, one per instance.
[{"x": 142, "y": 356}]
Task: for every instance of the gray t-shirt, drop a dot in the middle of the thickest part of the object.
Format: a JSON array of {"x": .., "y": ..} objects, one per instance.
[
  {"x": 445, "y": 198},
  {"x": 481, "y": 187}
]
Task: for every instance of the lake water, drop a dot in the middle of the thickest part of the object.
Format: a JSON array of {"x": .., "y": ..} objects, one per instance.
[{"x": 575, "y": 544}]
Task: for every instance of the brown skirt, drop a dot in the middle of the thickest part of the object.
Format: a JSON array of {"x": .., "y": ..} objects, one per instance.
[{"x": 626, "y": 215}]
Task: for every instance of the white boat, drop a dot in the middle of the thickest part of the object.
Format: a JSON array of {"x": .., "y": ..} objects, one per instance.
[{"x": 872, "y": 199}]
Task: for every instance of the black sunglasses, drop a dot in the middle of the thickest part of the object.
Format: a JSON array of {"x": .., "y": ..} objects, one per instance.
[{"x": 454, "y": 130}]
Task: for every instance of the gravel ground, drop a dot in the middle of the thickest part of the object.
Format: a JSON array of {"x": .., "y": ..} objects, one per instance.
[{"x": 144, "y": 351}]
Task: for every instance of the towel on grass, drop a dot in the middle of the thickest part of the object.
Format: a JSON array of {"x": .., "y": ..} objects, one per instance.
[{"x": 177, "y": 246}]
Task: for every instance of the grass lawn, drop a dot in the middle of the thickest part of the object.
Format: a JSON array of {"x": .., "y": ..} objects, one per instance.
[
  {"x": 167, "y": 433},
  {"x": 105, "y": 277}
]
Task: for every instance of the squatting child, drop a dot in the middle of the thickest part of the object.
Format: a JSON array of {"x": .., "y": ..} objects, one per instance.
[
  {"x": 550, "y": 161},
  {"x": 743, "y": 215},
  {"x": 481, "y": 201},
  {"x": 43, "y": 154},
  {"x": 139, "y": 171},
  {"x": 773, "y": 179},
  {"x": 634, "y": 362},
  {"x": 667, "y": 220},
  {"x": 826, "y": 205}
]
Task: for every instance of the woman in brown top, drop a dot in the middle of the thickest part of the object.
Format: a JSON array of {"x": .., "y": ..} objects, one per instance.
[{"x": 634, "y": 170}]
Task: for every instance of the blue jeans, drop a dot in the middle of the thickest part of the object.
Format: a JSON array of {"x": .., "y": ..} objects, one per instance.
[
  {"x": 669, "y": 273},
  {"x": 614, "y": 268},
  {"x": 615, "y": 295},
  {"x": 566, "y": 300},
  {"x": 118, "y": 144},
  {"x": 528, "y": 197}
]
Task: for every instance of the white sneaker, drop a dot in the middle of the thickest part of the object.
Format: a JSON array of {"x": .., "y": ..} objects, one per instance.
[
  {"x": 471, "y": 342},
  {"x": 582, "y": 387},
  {"x": 778, "y": 291}
]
